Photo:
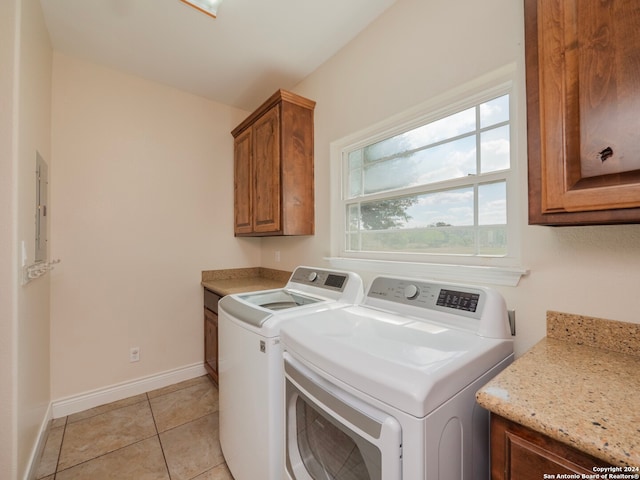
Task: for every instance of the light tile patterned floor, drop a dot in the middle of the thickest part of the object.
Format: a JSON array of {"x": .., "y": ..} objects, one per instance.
[{"x": 167, "y": 434}]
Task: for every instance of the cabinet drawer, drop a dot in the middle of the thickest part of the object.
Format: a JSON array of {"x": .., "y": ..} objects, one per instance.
[{"x": 211, "y": 300}]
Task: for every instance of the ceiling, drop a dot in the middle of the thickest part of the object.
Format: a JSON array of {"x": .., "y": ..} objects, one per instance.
[{"x": 240, "y": 58}]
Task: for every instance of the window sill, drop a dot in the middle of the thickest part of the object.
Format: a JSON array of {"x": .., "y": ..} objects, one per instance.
[{"x": 507, "y": 276}]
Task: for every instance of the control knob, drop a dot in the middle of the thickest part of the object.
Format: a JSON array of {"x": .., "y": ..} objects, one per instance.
[
  {"x": 312, "y": 277},
  {"x": 411, "y": 292}
]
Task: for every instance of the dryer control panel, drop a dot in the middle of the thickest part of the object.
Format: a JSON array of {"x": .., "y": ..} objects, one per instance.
[
  {"x": 473, "y": 307},
  {"x": 462, "y": 300}
]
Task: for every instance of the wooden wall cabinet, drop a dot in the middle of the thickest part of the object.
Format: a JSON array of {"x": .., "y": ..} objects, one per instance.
[
  {"x": 211, "y": 300},
  {"x": 519, "y": 453},
  {"x": 583, "y": 108},
  {"x": 273, "y": 170}
]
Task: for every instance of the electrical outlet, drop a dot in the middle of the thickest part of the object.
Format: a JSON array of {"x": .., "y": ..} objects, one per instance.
[
  {"x": 134, "y": 354},
  {"x": 276, "y": 255}
]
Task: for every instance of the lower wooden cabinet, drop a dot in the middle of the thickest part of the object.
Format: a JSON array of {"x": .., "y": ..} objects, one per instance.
[
  {"x": 211, "y": 334},
  {"x": 519, "y": 453}
]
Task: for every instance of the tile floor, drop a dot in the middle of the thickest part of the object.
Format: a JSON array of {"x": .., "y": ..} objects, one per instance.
[{"x": 167, "y": 434}]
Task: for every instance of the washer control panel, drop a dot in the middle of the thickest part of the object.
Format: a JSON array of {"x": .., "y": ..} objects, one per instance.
[
  {"x": 330, "y": 280},
  {"x": 462, "y": 300}
]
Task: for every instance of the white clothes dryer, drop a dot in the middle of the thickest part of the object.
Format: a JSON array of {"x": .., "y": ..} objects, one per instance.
[
  {"x": 385, "y": 390},
  {"x": 251, "y": 377}
]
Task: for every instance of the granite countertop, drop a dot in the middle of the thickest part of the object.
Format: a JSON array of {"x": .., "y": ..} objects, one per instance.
[
  {"x": 580, "y": 385},
  {"x": 240, "y": 280}
]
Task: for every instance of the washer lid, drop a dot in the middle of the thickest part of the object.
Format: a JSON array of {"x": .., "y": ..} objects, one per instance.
[
  {"x": 278, "y": 299},
  {"x": 308, "y": 288},
  {"x": 257, "y": 307},
  {"x": 410, "y": 364}
]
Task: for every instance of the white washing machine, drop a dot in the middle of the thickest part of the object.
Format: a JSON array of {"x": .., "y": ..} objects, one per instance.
[
  {"x": 385, "y": 390},
  {"x": 251, "y": 378}
]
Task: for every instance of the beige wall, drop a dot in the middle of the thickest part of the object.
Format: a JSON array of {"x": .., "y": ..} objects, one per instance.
[
  {"x": 25, "y": 123},
  {"x": 142, "y": 202},
  {"x": 34, "y": 122},
  {"x": 8, "y": 272},
  {"x": 413, "y": 52}
]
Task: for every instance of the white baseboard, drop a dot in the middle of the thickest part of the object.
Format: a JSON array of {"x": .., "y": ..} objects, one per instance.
[
  {"x": 38, "y": 448},
  {"x": 95, "y": 398}
]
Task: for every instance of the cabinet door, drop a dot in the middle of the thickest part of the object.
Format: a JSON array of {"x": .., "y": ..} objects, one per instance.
[
  {"x": 211, "y": 343},
  {"x": 243, "y": 183},
  {"x": 518, "y": 453},
  {"x": 583, "y": 65},
  {"x": 266, "y": 168}
]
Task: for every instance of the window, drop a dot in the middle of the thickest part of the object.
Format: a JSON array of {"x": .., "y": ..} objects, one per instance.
[
  {"x": 434, "y": 185},
  {"x": 438, "y": 188}
]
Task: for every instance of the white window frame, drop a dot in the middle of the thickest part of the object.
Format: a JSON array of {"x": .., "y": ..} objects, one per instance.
[{"x": 499, "y": 270}]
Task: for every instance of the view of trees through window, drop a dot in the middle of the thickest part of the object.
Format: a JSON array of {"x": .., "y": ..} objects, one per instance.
[{"x": 438, "y": 188}]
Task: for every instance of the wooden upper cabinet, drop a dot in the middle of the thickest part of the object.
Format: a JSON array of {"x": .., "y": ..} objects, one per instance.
[
  {"x": 266, "y": 161},
  {"x": 242, "y": 188},
  {"x": 273, "y": 184},
  {"x": 583, "y": 108}
]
